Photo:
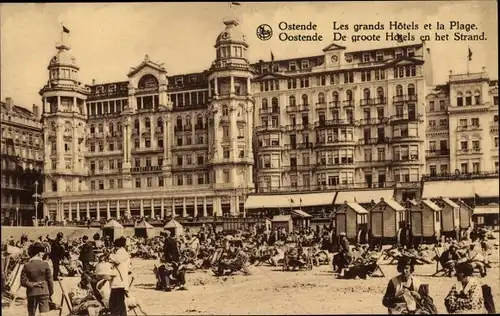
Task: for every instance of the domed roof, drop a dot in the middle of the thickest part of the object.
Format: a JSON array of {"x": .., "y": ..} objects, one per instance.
[
  {"x": 63, "y": 57},
  {"x": 231, "y": 34}
]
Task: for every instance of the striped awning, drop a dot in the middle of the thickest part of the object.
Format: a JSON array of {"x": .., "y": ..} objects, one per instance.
[{"x": 486, "y": 210}]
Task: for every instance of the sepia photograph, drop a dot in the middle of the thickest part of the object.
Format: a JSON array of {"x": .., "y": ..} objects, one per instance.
[{"x": 249, "y": 158}]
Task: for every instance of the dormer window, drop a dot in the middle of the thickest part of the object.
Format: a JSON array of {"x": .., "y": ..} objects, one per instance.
[
  {"x": 192, "y": 79},
  {"x": 410, "y": 52},
  {"x": 398, "y": 53},
  {"x": 264, "y": 68},
  {"x": 366, "y": 57},
  {"x": 305, "y": 64},
  {"x": 179, "y": 80},
  {"x": 292, "y": 66},
  {"x": 112, "y": 88},
  {"x": 380, "y": 56},
  {"x": 99, "y": 89}
]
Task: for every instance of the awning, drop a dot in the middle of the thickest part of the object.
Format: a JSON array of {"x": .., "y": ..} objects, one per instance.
[
  {"x": 364, "y": 196},
  {"x": 486, "y": 210},
  {"x": 460, "y": 189},
  {"x": 288, "y": 200},
  {"x": 301, "y": 213}
]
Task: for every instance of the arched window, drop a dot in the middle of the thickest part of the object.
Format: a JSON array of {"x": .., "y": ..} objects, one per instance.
[
  {"x": 101, "y": 127},
  {"x": 92, "y": 128},
  {"x": 460, "y": 99},
  {"x": 111, "y": 127},
  {"x": 264, "y": 104},
  {"x": 188, "y": 120},
  {"x": 380, "y": 93},
  {"x": 148, "y": 81},
  {"x": 305, "y": 99},
  {"x": 348, "y": 95},
  {"x": 468, "y": 98},
  {"x": 399, "y": 90},
  {"x": 225, "y": 110},
  {"x": 366, "y": 93},
  {"x": 199, "y": 121},
  {"x": 274, "y": 102},
  {"x": 178, "y": 121},
  {"x": 411, "y": 89},
  {"x": 291, "y": 100},
  {"x": 477, "y": 97},
  {"x": 159, "y": 122},
  {"x": 321, "y": 98},
  {"x": 137, "y": 125},
  {"x": 147, "y": 123},
  {"x": 335, "y": 96}
]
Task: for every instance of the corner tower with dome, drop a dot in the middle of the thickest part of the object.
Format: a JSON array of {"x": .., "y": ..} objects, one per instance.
[
  {"x": 64, "y": 127},
  {"x": 231, "y": 117}
]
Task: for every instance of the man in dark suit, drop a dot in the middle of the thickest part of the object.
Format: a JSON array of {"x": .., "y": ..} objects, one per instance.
[
  {"x": 36, "y": 277},
  {"x": 57, "y": 253},
  {"x": 170, "y": 249},
  {"x": 86, "y": 254}
]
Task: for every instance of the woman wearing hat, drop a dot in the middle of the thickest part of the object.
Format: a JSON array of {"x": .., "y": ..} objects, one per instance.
[{"x": 466, "y": 296}]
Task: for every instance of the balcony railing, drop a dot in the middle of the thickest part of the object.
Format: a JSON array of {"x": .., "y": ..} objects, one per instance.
[
  {"x": 460, "y": 176},
  {"x": 334, "y": 142},
  {"x": 374, "y": 141},
  {"x": 405, "y": 117},
  {"x": 270, "y": 128},
  {"x": 199, "y": 127},
  {"x": 373, "y": 121},
  {"x": 437, "y": 152},
  {"x": 404, "y": 138},
  {"x": 297, "y": 108},
  {"x": 437, "y": 127},
  {"x": 348, "y": 103},
  {"x": 334, "y": 104},
  {"x": 322, "y": 187},
  {"x": 298, "y": 127},
  {"x": 404, "y": 98}
]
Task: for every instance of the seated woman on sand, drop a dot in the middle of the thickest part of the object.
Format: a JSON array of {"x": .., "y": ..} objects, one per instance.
[{"x": 466, "y": 296}]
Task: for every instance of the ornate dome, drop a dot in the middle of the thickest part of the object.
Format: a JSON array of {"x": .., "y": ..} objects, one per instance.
[
  {"x": 231, "y": 34},
  {"x": 63, "y": 57}
]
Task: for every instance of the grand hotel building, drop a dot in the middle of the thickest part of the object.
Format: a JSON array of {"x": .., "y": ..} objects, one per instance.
[{"x": 198, "y": 144}]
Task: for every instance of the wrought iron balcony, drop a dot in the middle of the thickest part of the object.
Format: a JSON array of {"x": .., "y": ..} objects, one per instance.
[
  {"x": 437, "y": 152},
  {"x": 334, "y": 104},
  {"x": 297, "y": 108},
  {"x": 348, "y": 103},
  {"x": 404, "y": 98}
]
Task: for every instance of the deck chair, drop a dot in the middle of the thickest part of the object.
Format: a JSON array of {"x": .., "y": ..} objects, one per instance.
[
  {"x": 379, "y": 262},
  {"x": 440, "y": 270}
]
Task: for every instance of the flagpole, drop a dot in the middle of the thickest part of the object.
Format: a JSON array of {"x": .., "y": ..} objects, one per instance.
[
  {"x": 468, "y": 59},
  {"x": 62, "y": 33}
]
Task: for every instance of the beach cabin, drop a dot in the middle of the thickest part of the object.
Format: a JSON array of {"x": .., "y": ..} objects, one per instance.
[
  {"x": 113, "y": 229},
  {"x": 144, "y": 229},
  {"x": 282, "y": 221},
  {"x": 385, "y": 221},
  {"x": 425, "y": 222},
  {"x": 352, "y": 219},
  {"x": 450, "y": 217},
  {"x": 487, "y": 216},
  {"x": 175, "y": 228},
  {"x": 301, "y": 218},
  {"x": 465, "y": 216}
]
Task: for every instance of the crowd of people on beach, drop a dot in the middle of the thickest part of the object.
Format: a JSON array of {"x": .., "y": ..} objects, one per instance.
[{"x": 104, "y": 265}]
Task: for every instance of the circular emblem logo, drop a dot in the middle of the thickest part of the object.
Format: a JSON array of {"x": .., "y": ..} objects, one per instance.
[
  {"x": 225, "y": 35},
  {"x": 335, "y": 58},
  {"x": 264, "y": 32}
]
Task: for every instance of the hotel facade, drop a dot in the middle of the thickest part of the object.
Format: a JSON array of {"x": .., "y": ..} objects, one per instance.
[{"x": 198, "y": 144}]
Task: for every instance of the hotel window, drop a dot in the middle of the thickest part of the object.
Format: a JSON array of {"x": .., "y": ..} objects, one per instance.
[
  {"x": 264, "y": 68},
  {"x": 101, "y": 185},
  {"x": 462, "y": 123},
  {"x": 410, "y": 52},
  {"x": 468, "y": 98},
  {"x": 460, "y": 99},
  {"x": 149, "y": 182},
  {"x": 179, "y": 180},
  {"x": 111, "y": 164},
  {"x": 201, "y": 159},
  {"x": 477, "y": 97},
  {"x": 137, "y": 182},
  {"x": 496, "y": 166},
  {"x": 189, "y": 179},
  {"x": 475, "y": 167},
  {"x": 348, "y": 77},
  {"x": 159, "y": 141},
  {"x": 432, "y": 169},
  {"x": 475, "y": 122},
  {"x": 432, "y": 123},
  {"x": 366, "y": 58},
  {"x": 137, "y": 143},
  {"x": 111, "y": 146},
  {"x": 398, "y": 53},
  {"x": 304, "y": 82},
  {"x": 120, "y": 145},
  {"x": 179, "y": 161},
  {"x": 379, "y": 74},
  {"x": 148, "y": 143},
  {"x": 292, "y": 66},
  {"x": 475, "y": 144},
  {"x": 189, "y": 160},
  {"x": 443, "y": 169},
  {"x": 160, "y": 181},
  {"x": 292, "y": 83},
  {"x": 305, "y": 64},
  {"x": 111, "y": 183},
  {"x": 431, "y": 106},
  {"x": 92, "y": 147},
  {"x": 366, "y": 76},
  {"x": 101, "y": 146},
  {"x": 380, "y": 56},
  {"x": 92, "y": 186},
  {"x": 495, "y": 100},
  {"x": 225, "y": 153},
  {"x": 496, "y": 142},
  {"x": 101, "y": 165},
  {"x": 179, "y": 140},
  {"x": 463, "y": 145},
  {"x": 225, "y": 176},
  {"x": 464, "y": 168},
  {"x": 334, "y": 79},
  {"x": 120, "y": 183},
  {"x": 442, "y": 105},
  {"x": 148, "y": 161}
]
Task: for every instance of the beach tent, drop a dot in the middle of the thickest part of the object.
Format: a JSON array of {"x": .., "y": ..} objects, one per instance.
[
  {"x": 144, "y": 229},
  {"x": 112, "y": 229},
  {"x": 175, "y": 228}
]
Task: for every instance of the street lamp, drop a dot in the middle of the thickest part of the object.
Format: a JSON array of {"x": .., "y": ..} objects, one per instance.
[{"x": 36, "y": 196}]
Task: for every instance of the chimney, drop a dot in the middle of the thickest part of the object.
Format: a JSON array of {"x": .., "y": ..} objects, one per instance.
[
  {"x": 9, "y": 103},
  {"x": 36, "y": 110},
  {"x": 93, "y": 82}
]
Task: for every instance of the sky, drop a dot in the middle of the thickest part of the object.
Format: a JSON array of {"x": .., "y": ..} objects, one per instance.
[{"x": 108, "y": 39}]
